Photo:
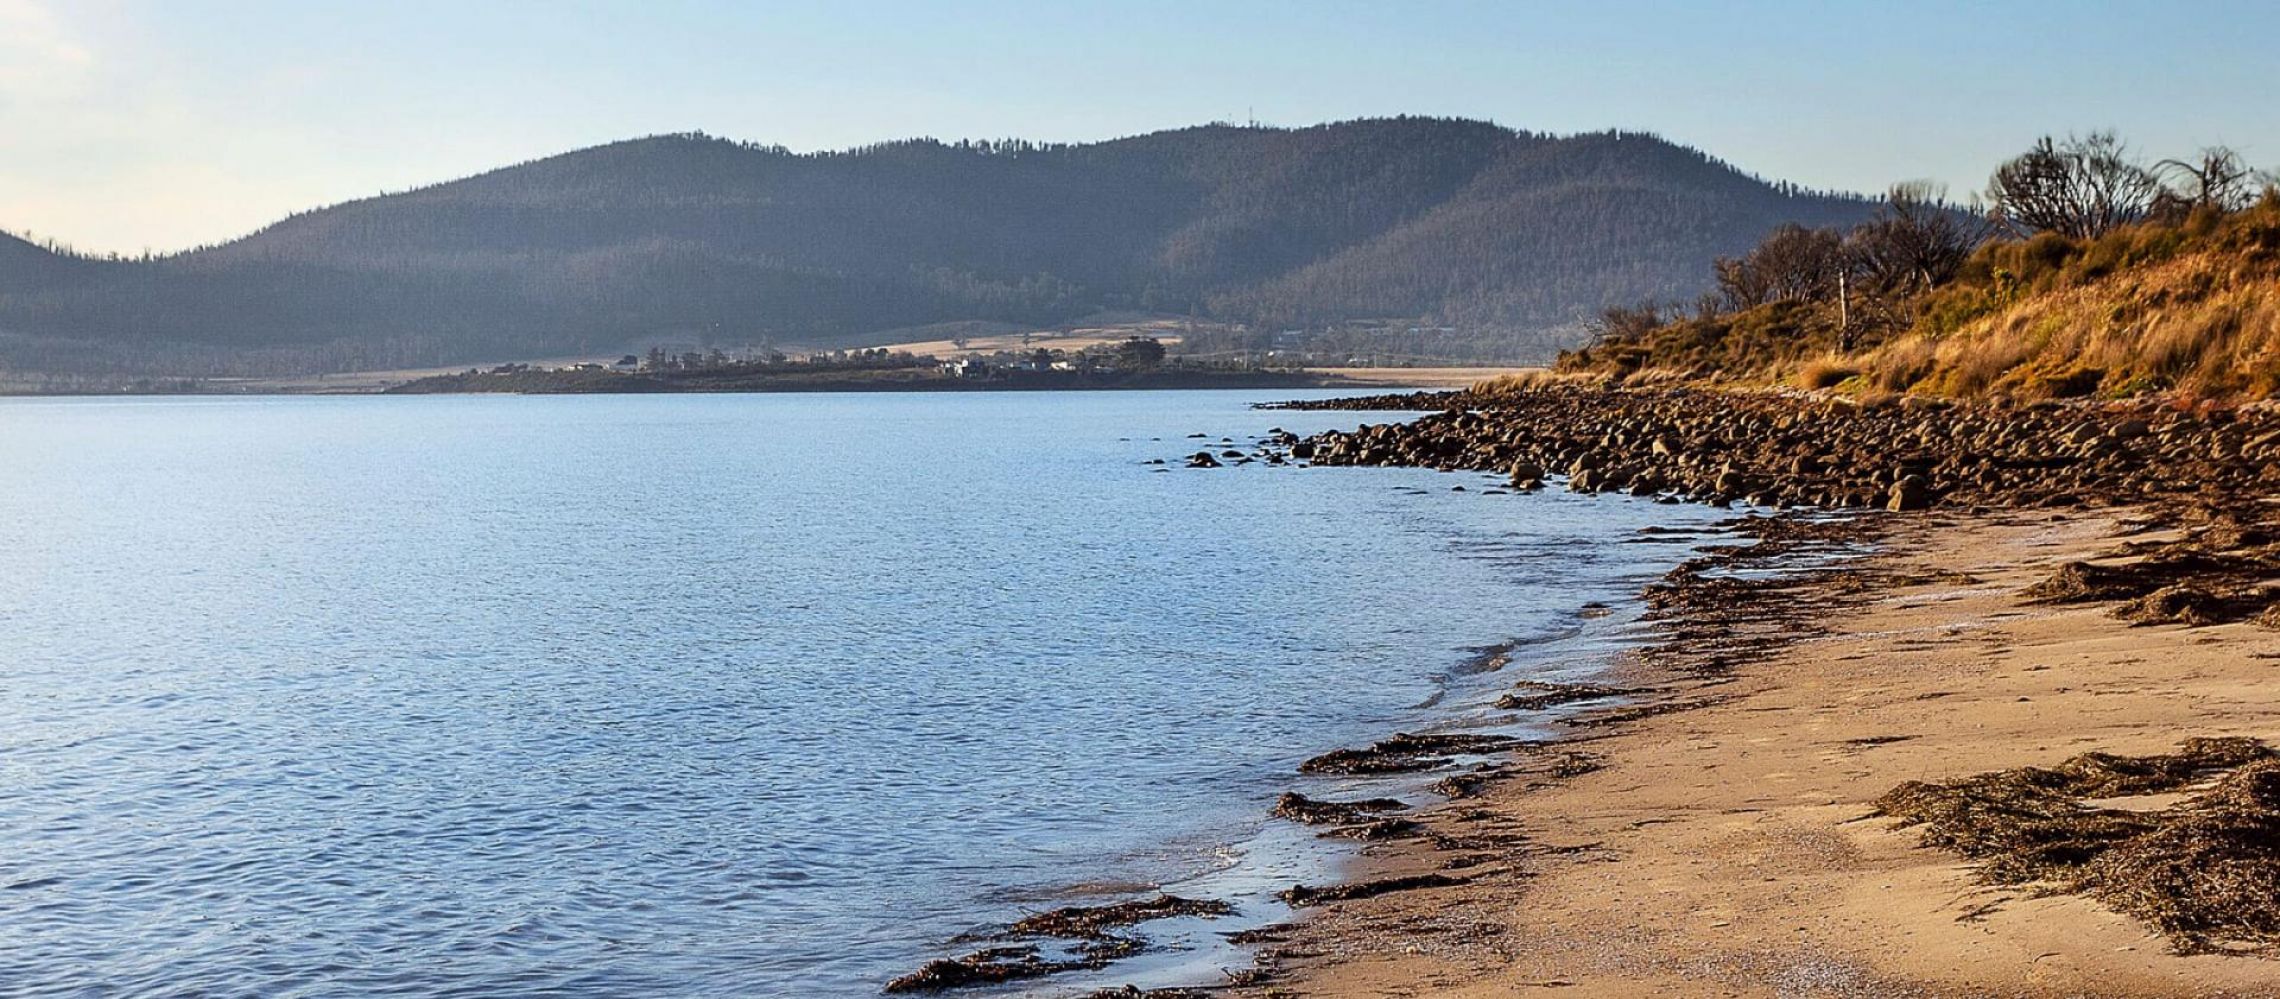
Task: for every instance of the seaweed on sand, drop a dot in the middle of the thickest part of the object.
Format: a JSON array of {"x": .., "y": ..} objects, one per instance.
[
  {"x": 2106, "y": 775},
  {"x": 2211, "y": 871},
  {"x": 2180, "y": 604},
  {"x": 988, "y": 966},
  {"x": 1302, "y": 895},
  {"x": 2083, "y": 582},
  {"x": 1536, "y": 695},
  {"x": 1469, "y": 783},
  {"x": 1088, "y": 924},
  {"x": 1405, "y": 753},
  {"x": 1382, "y": 829},
  {"x": 2021, "y": 829},
  {"x": 2177, "y": 584},
  {"x": 2204, "y": 872},
  {"x": 1318, "y": 812},
  {"x": 1136, "y": 992},
  {"x": 1094, "y": 921}
]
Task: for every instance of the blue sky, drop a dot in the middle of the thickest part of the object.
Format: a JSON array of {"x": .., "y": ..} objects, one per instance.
[{"x": 127, "y": 124}]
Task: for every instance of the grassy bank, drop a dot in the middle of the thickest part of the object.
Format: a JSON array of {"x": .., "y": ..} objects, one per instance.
[{"x": 2188, "y": 308}]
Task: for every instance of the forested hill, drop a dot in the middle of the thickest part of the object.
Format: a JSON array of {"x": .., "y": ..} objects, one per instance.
[{"x": 692, "y": 238}]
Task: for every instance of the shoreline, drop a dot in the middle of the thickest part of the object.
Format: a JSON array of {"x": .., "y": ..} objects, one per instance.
[
  {"x": 1733, "y": 848},
  {"x": 1606, "y": 864},
  {"x": 1332, "y": 819},
  {"x": 1729, "y": 833}
]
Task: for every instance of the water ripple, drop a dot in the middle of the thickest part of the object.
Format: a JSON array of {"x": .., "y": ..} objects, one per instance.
[{"x": 684, "y": 696}]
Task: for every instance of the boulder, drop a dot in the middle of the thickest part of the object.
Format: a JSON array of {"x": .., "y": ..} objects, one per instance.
[{"x": 1910, "y": 493}]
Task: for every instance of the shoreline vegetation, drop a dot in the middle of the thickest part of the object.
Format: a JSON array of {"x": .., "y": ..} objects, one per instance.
[{"x": 2088, "y": 275}]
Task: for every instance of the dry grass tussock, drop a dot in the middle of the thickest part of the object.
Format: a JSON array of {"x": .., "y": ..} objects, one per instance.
[
  {"x": 1538, "y": 378},
  {"x": 1827, "y": 372}
]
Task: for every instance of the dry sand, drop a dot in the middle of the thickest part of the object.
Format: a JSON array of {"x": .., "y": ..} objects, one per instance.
[{"x": 1730, "y": 850}]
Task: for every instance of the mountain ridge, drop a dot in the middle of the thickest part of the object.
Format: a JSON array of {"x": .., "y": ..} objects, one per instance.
[{"x": 692, "y": 237}]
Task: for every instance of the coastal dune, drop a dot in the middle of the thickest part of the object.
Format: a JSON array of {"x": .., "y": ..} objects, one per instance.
[{"x": 1734, "y": 848}]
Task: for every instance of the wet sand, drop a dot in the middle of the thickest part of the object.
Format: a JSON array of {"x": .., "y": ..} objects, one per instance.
[{"x": 1730, "y": 849}]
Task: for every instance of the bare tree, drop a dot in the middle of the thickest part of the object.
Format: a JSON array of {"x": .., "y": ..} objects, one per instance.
[
  {"x": 1794, "y": 264},
  {"x": 2215, "y": 178},
  {"x": 1626, "y": 323},
  {"x": 1917, "y": 240},
  {"x": 1742, "y": 284},
  {"x": 2083, "y": 187}
]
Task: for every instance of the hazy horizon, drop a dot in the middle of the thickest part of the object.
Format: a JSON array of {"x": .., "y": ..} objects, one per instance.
[{"x": 136, "y": 125}]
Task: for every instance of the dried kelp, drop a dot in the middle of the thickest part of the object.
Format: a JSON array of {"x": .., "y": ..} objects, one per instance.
[
  {"x": 1088, "y": 924},
  {"x": 1303, "y": 895},
  {"x": 2205, "y": 872}
]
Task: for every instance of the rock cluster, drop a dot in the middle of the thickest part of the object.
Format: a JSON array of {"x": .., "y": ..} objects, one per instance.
[{"x": 1785, "y": 450}]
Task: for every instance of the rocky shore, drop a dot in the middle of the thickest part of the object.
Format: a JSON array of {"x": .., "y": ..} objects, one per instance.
[
  {"x": 2205, "y": 472},
  {"x": 1780, "y": 450}
]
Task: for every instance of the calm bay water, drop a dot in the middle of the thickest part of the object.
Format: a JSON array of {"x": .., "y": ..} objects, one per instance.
[{"x": 720, "y": 695}]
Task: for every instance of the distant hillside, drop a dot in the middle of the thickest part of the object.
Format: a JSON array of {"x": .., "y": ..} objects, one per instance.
[{"x": 1459, "y": 223}]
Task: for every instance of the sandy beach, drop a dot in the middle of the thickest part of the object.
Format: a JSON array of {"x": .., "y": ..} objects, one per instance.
[{"x": 1732, "y": 848}]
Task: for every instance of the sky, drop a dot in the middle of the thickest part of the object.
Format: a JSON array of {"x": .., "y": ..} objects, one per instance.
[{"x": 128, "y": 125}]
